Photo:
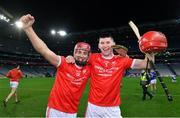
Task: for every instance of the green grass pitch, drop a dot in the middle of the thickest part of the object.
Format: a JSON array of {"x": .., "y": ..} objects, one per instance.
[{"x": 34, "y": 93}]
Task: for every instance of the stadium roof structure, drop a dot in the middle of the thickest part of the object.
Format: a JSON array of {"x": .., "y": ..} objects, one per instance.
[{"x": 85, "y": 20}]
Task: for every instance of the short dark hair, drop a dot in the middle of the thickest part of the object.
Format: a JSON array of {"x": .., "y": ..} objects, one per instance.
[{"x": 104, "y": 35}]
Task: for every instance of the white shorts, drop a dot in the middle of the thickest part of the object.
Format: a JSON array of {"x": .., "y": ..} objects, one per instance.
[
  {"x": 53, "y": 113},
  {"x": 153, "y": 81},
  {"x": 14, "y": 84},
  {"x": 94, "y": 111}
]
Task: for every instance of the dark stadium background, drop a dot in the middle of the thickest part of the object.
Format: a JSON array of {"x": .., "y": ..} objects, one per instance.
[{"x": 85, "y": 21}]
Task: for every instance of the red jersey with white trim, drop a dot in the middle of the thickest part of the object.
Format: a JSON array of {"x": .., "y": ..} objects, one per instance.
[
  {"x": 15, "y": 74},
  {"x": 106, "y": 76},
  {"x": 68, "y": 87}
]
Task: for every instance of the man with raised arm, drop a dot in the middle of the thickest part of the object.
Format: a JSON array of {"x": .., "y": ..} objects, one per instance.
[{"x": 70, "y": 78}]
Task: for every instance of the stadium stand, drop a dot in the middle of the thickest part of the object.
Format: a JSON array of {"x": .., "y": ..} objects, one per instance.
[{"x": 16, "y": 49}]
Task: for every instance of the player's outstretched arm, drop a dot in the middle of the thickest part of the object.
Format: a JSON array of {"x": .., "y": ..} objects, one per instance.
[
  {"x": 141, "y": 64},
  {"x": 8, "y": 75},
  {"x": 37, "y": 43}
]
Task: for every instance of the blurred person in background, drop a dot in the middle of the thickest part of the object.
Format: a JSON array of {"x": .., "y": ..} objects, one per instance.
[
  {"x": 14, "y": 76},
  {"x": 173, "y": 78},
  {"x": 153, "y": 81},
  {"x": 145, "y": 82}
]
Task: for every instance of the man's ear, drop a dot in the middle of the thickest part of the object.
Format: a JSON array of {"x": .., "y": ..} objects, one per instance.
[
  {"x": 113, "y": 43},
  {"x": 98, "y": 46}
]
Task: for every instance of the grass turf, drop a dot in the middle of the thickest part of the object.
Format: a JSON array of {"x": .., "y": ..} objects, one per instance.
[{"x": 34, "y": 93}]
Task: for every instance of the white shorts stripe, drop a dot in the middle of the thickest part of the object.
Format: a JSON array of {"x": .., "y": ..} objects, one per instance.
[
  {"x": 153, "y": 81},
  {"x": 53, "y": 113},
  {"x": 94, "y": 111},
  {"x": 14, "y": 84}
]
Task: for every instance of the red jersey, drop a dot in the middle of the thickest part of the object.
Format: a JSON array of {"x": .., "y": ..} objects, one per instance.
[
  {"x": 15, "y": 74},
  {"x": 106, "y": 76},
  {"x": 69, "y": 85}
]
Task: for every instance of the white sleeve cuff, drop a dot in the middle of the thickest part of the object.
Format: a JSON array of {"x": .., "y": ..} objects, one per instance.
[
  {"x": 133, "y": 63},
  {"x": 59, "y": 62}
]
